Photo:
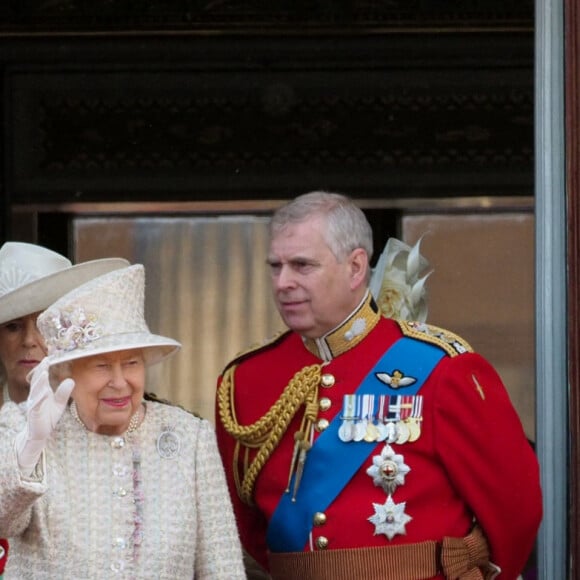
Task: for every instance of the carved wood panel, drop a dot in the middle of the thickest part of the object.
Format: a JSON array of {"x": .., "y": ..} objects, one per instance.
[
  {"x": 187, "y": 134},
  {"x": 187, "y": 15}
]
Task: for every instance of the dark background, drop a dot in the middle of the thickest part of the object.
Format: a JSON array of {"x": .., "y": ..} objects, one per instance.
[{"x": 220, "y": 100}]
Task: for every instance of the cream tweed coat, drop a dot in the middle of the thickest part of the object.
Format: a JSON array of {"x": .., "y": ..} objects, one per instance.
[{"x": 119, "y": 507}]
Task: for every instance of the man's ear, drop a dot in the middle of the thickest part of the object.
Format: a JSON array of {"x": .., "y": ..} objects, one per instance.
[{"x": 359, "y": 267}]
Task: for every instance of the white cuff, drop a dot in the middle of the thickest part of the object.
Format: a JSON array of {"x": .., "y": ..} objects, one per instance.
[{"x": 28, "y": 453}]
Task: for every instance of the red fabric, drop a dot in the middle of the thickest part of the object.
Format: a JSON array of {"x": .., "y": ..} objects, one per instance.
[
  {"x": 471, "y": 460},
  {"x": 4, "y": 552}
]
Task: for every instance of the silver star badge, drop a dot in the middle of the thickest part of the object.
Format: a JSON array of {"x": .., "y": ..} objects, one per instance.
[
  {"x": 390, "y": 518},
  {"x": 388, "y": 470}
]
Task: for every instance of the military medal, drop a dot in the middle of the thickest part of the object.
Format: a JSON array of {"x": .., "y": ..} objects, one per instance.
[
  {"x": 414, "y": 430},
  {"x": 382, "y": 431},
  {"x": 393, "y": 415},
  {"x": 404, "y": 412},
  {"x": 389, "y": 518},
  {"x": 403, "y": 433},
  {"x": 414, "y": 421},
  {"x": 388, "y": 470},
  {"x": 360, "y": 426},
  {"x": 371, "y": 432},
  {"x": 346, "y": 429}
]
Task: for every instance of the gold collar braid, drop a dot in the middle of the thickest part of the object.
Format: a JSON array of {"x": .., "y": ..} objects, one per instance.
[
  {"x": 348, "y": 333},
  {"x": 265, "y": 434}
]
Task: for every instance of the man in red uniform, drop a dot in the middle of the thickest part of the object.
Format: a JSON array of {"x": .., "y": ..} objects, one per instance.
[{"x": 359, "y": 446}]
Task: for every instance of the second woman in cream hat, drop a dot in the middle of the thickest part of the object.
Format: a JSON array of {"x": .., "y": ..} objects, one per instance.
[{"x": 31, "y": 279}]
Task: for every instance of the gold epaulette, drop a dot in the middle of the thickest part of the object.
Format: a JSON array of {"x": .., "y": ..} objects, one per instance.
[
  {"x": 256, "y": 347},
  {"x": 451, "y": 343}
]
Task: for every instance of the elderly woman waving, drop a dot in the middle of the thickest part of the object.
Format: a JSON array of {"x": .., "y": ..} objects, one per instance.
[
  {"x": 31, "y": 279},
  {"x": 110, "y": 485}
]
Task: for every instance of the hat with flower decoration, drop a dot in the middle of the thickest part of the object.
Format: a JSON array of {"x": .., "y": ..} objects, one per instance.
[
  {"x": 33, "y": 277},
  {"x": 398, "y": 284},
  {"x": 104, "y": 315}
]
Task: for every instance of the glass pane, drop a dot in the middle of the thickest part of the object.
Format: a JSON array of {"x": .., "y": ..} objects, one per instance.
[
  {"x": 482, "y": 288},
  {"x": 206, "y": 286}
]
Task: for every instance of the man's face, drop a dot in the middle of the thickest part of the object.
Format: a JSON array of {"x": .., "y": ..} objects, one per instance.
[{"x": 314, "y": 292}]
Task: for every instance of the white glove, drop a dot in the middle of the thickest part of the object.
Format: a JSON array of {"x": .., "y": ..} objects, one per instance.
[{"x": 44, "y": 408}]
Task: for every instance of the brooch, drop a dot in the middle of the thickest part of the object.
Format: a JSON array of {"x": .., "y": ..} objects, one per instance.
[{"x": 168, "y": 443}]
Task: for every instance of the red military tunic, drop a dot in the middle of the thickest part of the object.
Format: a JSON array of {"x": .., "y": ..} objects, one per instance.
[
  {"x": 3, "y": 555},
  {"x": 472, "y": 459}
]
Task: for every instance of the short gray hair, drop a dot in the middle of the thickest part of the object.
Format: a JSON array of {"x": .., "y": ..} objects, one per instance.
[{"x": 347, "y": 227}]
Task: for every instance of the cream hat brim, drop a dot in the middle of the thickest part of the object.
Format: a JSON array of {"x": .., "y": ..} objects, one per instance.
[
  {"x": 155, "y": 348},
  {"x": 41, "y": 293}
]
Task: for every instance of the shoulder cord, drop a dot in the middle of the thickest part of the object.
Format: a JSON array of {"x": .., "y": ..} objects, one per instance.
[{"x": 265, "y": 434}]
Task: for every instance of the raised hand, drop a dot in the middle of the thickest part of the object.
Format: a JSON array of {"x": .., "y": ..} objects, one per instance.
[{"x": 44, "y": 409}]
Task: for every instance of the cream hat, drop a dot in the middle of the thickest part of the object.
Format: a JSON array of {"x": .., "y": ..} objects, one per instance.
[
  {"x": 104, "y": 315},
  {"x": 33, "y": 277}
]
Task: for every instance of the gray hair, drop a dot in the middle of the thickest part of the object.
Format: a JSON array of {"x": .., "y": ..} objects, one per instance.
[{"x": 347, "y": 227}]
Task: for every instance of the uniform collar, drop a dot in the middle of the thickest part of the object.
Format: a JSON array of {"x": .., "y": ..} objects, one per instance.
[{"x": 348, "y": 333}]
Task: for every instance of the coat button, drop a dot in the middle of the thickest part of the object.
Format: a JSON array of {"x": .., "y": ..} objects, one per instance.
[
  {"x": 319, "y": 519},
  {"x": 322, "y": 424},
  {"x": 325, "y": 403},
  {"x": 117, "y": 443},
  {"x": 322, "y": 543},
  {"x": 119, "y": 543},
  {"x": 327, "y": 380}
]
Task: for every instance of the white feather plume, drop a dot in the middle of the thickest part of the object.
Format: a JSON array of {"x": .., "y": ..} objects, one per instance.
[{"x": 398, "y": 281}]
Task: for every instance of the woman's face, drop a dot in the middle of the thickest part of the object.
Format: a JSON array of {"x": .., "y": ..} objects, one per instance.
[
  {"x": 21, "y": 349},
  {"x": 108, "y": 389}
]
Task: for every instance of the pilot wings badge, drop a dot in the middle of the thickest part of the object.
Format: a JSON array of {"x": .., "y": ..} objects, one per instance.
[{"x": 396, "y": 380}]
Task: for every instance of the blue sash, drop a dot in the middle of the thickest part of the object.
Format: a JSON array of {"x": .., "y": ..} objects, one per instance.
[{"x": 331, "y": 463}]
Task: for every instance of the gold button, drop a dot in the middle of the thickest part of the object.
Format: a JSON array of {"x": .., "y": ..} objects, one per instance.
[
  {"x": 325, "y": 403},
  {"x": 327, "y": 380},
  {"x": 322, "y": 543},
  {"x": 319, "y": 519},
  {"x": 322, "y": 424}
]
